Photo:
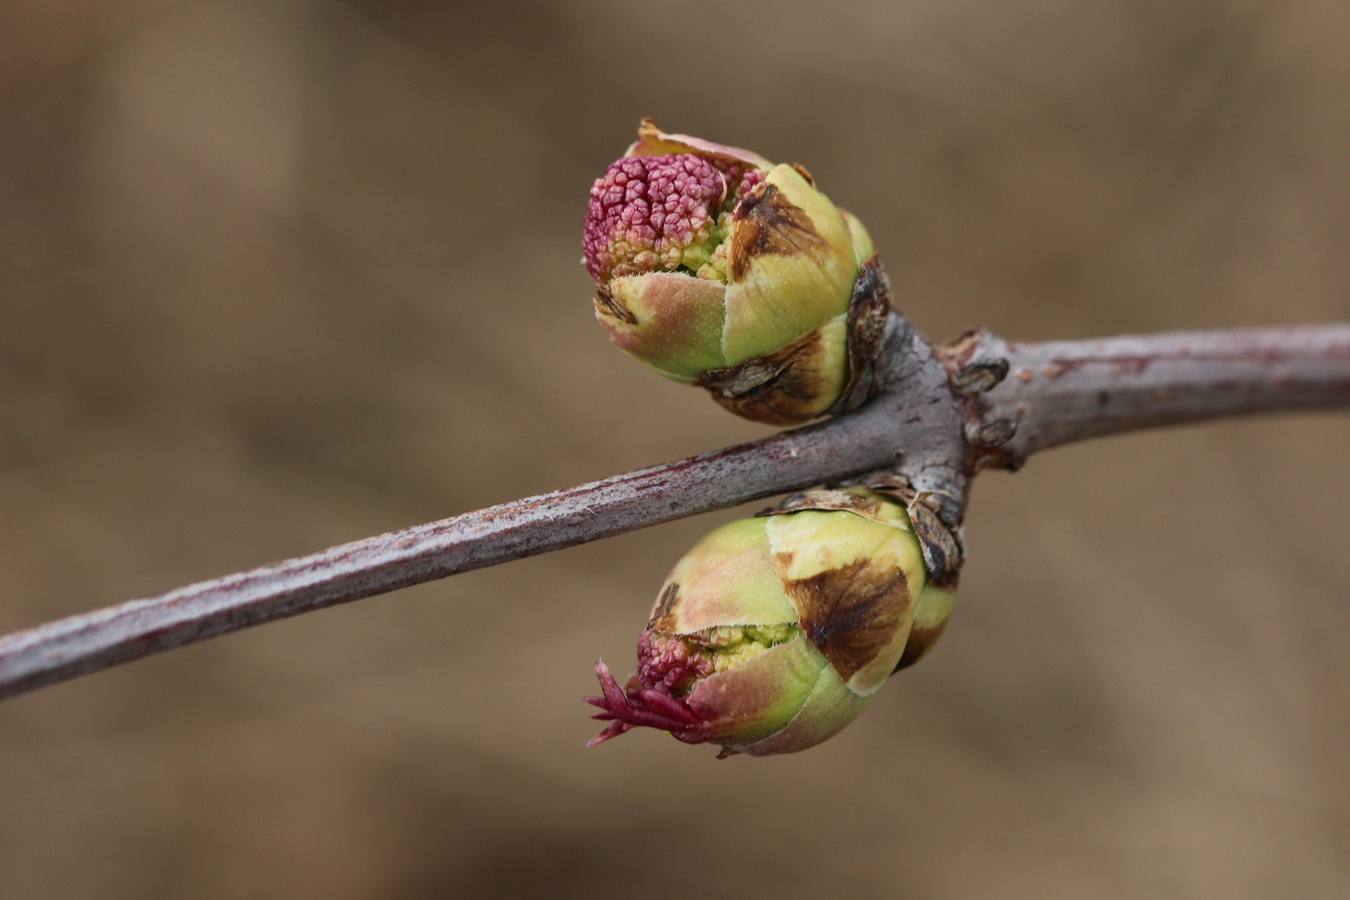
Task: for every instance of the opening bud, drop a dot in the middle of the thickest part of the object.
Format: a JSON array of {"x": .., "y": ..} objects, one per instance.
[
  {"x": 718, "y": 268},
  {"x": 773, "y": 633}
]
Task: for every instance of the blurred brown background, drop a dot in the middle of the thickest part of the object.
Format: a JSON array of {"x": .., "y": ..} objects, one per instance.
[{"x": 277, "y": 274}]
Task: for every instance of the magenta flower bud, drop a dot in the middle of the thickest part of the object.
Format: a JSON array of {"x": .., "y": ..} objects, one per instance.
[
  {"x": 773, "y": 633},
  {"x": 718, "y": 268}
]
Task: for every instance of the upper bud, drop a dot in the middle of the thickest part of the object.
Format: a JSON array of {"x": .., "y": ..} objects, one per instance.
[
  {"x": 773, "y": 633},
  {"x": 716, "y": 267}
]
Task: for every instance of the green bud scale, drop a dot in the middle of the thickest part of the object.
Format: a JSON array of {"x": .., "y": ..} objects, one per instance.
[
  {"x": 718, "y": 268},
  {"x": 773, "y": 633}
]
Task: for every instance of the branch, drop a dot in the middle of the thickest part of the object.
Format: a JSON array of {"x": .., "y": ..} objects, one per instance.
[
  {"x": 1059, "y": 392},
  {"x": 940, "y": 416}
]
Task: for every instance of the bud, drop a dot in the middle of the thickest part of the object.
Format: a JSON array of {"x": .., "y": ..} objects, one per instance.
[
  {"x": 718, "y": 268},
  {"x": 773, "y": 633}
]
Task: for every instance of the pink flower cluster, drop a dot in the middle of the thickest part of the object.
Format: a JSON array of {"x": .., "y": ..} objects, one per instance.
[
  {"x": 665, "y": 664},
  {"x": 646, "y": 210}
]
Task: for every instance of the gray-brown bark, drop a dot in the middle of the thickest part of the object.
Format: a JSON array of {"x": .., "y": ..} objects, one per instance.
[{"x": 940, "y": 416}]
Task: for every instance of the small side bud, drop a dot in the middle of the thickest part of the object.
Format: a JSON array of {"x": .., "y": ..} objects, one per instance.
[
  {"x": 773, "y": 633},
  {"x": 718, "y": 268},
  {"x": 979, "y": 376}
]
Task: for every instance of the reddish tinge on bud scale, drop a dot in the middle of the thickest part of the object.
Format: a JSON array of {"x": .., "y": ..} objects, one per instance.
[
  {"x": 718, "y": 268},
  {"x": 773, "y": 633}
]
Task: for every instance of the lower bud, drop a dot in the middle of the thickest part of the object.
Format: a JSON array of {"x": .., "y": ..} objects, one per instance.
[{"x": 773, "y": 633}]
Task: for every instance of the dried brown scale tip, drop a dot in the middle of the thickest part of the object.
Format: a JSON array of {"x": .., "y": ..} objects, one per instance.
[
  {"x": 868, "y": 310},
  {"x": 849, "y": 612},
  {"x": 773, "y": 633},
  {"x": 779, "y": 388},
  {"x": 718, "y": 268},
  {"x": 929, "y": 512},
  {"x": 942, "y": 550}
]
